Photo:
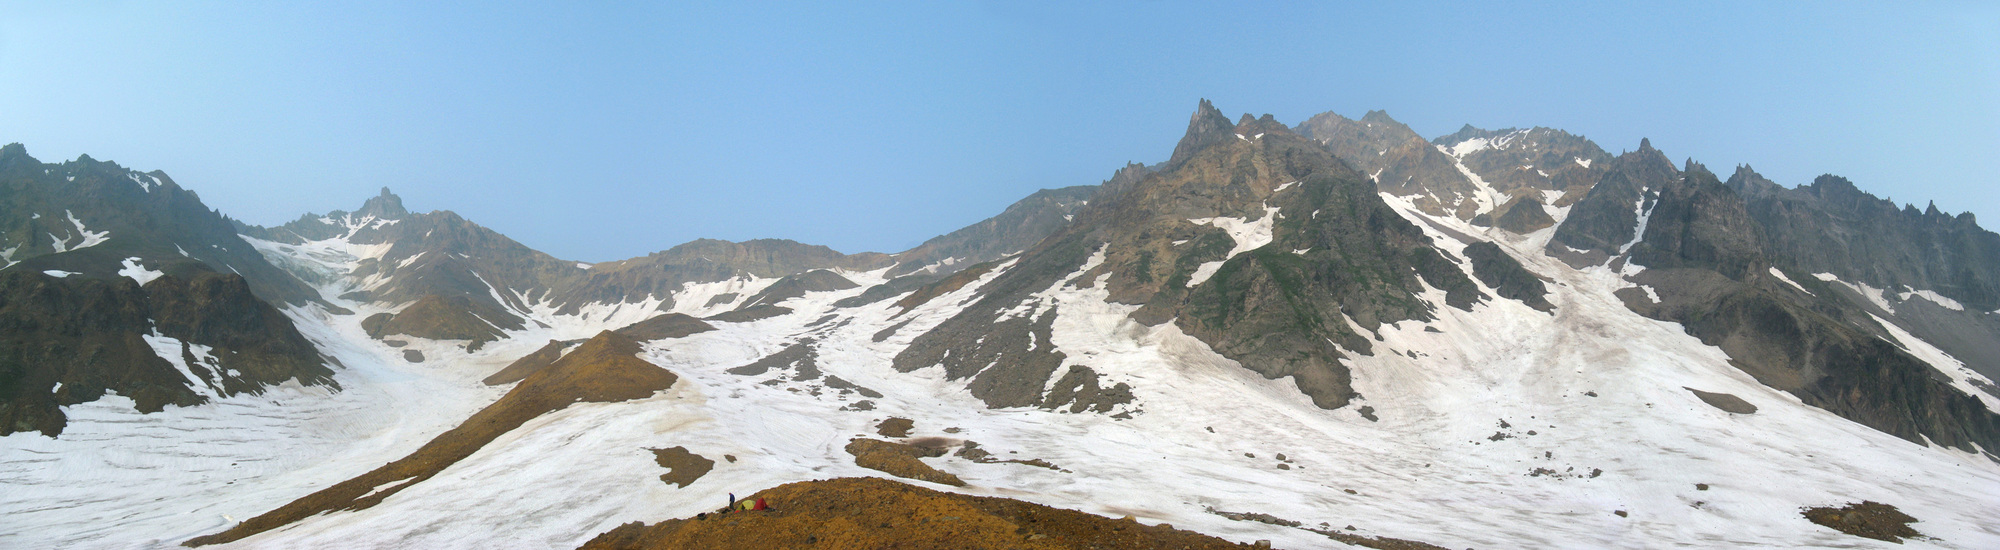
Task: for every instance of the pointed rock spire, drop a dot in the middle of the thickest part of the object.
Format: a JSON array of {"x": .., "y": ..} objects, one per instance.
[
  {"x": 386, "y": 206},
  {"x": 1207, "y": 127}
]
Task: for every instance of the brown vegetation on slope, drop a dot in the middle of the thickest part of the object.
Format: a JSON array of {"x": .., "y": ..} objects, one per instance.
[
  {"x": 878, "y": 513},
  {"x": 529, "y": 364},
  {"x": 604, "y": 369},
  {"x": 900, "y": 460}
]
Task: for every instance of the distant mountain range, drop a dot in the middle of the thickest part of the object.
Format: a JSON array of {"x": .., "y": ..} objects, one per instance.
[{"x": 1455, "y": 325}]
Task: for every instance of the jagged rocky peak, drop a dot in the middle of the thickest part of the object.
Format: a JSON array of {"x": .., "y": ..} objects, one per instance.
[
  {"x": 1208, "y": 126},
  {"x": 1216, "y": 241},
  {"x": 1375, "y": 129},
  {"x": 1697, "y": 222},
  {"x": 1603, "y": 223},
  {"x": 1469, "y": 132},
  {"x": 1747, "y": 182},
  {"x": 1253, "y": 127},
  {"x": 386, "y": 206},
  {"x": 97, "y": 219}
]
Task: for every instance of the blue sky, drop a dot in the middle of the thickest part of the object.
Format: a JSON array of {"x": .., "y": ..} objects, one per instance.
[{"x": 599, "y": 131}]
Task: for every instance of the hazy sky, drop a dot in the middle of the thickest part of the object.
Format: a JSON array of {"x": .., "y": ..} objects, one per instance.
[{"x": 599, "y": 133}]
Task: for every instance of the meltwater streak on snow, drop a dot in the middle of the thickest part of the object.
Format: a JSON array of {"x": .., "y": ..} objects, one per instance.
[
  {"x": 1247, "y": 235},
  {"x": 1961, "y": 377}
]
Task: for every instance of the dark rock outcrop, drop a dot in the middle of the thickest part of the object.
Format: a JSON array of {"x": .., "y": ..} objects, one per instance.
[
  {"x": 445, "y": 318},
  {"x": 1396, "y": 160},
  {"x": 91, "y": 217},
  {"x": 70, "y": 340},
  {"x": 1706, "y": 258},
  {"x": 1505, "y": 274},
  {"x": 1278, "y": 312},
  {"x": 1607, "y": 218},
  {"x": 1523, "y": 215}
]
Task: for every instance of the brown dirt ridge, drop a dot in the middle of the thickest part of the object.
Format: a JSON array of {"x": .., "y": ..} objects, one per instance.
[
  {"x": 879, "y": 513},
  {"x": 1867, "y": 518},
  {"x": 604, "y": 369},
  {"x": 900, "y": 460}
]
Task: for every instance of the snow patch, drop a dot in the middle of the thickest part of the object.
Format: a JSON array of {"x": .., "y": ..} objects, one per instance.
[
  {"x": 1248, "y": 235},
  {"x": 1788, "y": 280},
  {"x": 90, "y": 238},
  {"x": 1639, "y": 231},
  {"x": 1468, "y": 147},
  {"x": 139, "y": 272},
  {"x": 1872, "y": 294},
  {"x": 1962, "y": 377},
  {"x": 1933, "y": 296},
  {"x": 1584, "y": 162},
  {"x": 170, "y": 349},
  {"x": 57, "y": 273}
]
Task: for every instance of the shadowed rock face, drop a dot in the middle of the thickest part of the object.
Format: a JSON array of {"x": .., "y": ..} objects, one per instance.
[
  {"x": 1832, "y": 227},
  {"x": 602, "y": 370},
  {"x": 1524, "y": 215},
  {"x": 87, "y": 335},
  {"x": 1605, "y": 220},
  {"x": 1396, "y": 160},
  {"x": 1506, "y": 276},
  {"x": 1279, "y": 312},
  {"x": 1700, "y": 223},
  {"x": 1705, "y": 257}
]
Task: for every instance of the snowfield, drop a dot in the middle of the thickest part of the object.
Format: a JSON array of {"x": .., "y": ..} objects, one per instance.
[{"x": 1499, "y": 427}]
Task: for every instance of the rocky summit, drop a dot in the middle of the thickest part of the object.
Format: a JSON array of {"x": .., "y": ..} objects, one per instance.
[{"x": 1326, "y": 333}]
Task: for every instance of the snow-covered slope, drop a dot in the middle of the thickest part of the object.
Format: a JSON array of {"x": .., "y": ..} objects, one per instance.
[
  {"x": 1486, "y": 423},
  {"x": 1508, "y": 428}
]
